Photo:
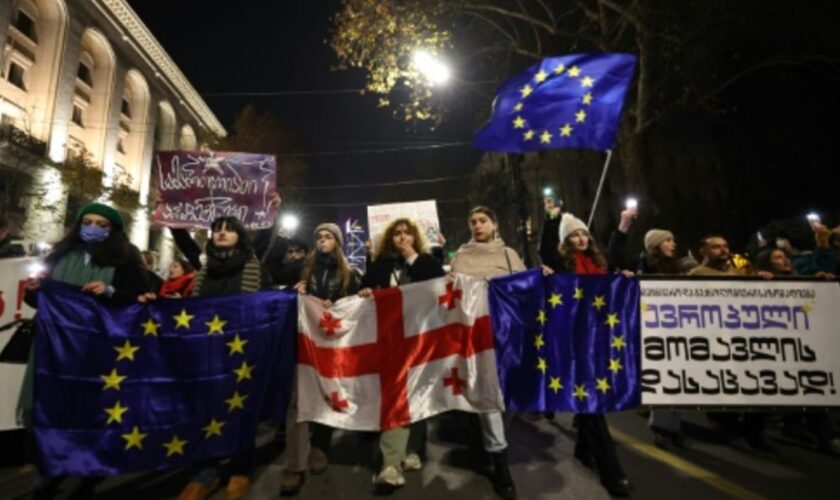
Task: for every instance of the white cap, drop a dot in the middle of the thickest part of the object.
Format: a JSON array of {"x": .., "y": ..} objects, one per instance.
[{"x": 569, "y": 224}]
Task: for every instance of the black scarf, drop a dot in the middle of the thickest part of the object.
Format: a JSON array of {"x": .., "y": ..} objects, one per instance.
[{"x": 224, "y": 263}]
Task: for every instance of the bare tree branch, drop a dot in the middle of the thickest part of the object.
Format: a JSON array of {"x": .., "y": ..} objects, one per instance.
[{"x": 515, "y": 15}]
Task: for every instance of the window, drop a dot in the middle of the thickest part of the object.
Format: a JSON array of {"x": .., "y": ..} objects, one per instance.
[
  {"x": 126, "y": 108},
  {"x": 84, "y": 74},
  {"x": 15, "y": 76},
  {"x": 78, "y": 116},
  {"x": 26, "y": 25}
]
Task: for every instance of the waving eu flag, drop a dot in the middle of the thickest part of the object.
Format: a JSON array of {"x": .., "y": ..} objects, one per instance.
[
  {"x": 567, "y": 342},
  {"x": 571, "y": 101},
  {"x": 134, "y": 387}
]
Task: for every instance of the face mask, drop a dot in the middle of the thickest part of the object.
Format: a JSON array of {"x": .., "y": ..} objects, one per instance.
[{"x": 94, "y": 234}]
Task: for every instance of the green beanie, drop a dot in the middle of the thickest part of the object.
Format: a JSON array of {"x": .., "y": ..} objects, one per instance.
[{"x": 103, "y": 210}]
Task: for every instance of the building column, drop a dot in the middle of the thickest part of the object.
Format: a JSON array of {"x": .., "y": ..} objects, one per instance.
[{"x": 46, "y": 207}]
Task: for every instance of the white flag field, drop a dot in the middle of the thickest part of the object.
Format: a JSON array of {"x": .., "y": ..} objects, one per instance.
[{"x": 404, "y": 355}]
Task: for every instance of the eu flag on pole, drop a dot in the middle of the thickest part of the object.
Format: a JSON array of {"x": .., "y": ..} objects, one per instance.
[
  {"x": 135, "y": 387},
  {"x": 571, "y": 101},
  {"x": 567, "y": 342}
]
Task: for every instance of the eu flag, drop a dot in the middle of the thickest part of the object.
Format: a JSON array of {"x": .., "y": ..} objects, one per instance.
[
  {"x": 135, "y": 387},
  {"x": 567, "y": 342},
  {"x": 571, "y": 101}
]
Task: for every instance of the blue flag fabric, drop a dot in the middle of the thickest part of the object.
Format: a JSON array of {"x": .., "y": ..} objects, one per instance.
[
  {"x": 136, "y": 387},
  {"x": 571, "y": 101},
  {"x": 567, "y": 342}
]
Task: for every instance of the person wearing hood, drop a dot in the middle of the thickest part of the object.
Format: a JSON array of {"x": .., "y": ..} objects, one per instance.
[
  {"x": 327, "y": 276},
  {"x": 486, "y": 256}
]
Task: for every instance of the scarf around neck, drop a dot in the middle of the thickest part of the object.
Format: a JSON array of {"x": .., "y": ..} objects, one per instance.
[{"x": 585, "y": 265}]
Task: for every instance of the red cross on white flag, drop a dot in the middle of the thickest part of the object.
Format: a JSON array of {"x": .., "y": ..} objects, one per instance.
[{"x": 406, "y": 354}]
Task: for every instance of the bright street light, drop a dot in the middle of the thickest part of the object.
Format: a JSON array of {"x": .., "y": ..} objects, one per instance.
[
  {"x": 289, "y": 222},
  {"x": 431, "y": 67}
]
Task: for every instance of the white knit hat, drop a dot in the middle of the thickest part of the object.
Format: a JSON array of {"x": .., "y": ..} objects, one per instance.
[
  {"x": 656, "y": 237},
  {"x": 569, "y": 224}
]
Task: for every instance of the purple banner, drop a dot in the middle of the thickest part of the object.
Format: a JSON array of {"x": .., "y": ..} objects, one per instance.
[{"x": 196, "y": 187}]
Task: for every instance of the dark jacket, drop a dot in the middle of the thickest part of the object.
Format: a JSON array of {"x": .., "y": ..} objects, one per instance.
[
  {"x": 550, "y": 255},
  {"x": 325, "y": 284},
  {"x": 379, "y": 271},
  {"x": 288, "y": 274}
]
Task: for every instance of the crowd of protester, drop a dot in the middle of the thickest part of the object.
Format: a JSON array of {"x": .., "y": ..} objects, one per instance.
[{"x": 97, "y": 256}]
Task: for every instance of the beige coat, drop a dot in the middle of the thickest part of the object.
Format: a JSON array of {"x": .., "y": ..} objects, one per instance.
[{"x": 486, "y": 260}]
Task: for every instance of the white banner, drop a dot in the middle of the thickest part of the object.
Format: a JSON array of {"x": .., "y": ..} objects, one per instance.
[
  {"x": 424, "y": 213},
  {"x": 740, "y": 343},
  {"x": 13, "y": 273}
]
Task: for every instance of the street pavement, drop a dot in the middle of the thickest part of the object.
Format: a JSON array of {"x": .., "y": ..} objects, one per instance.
[{"x": 541, "y": 463}]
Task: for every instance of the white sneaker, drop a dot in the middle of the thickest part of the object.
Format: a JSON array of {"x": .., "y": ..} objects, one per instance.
[
  {"x": 412, "y": 462},
  {"x": 390, "y": 476}
]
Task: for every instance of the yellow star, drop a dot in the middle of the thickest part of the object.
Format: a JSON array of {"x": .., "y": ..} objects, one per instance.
[
  {"x": 612, "y": 320},
  {"x": 215, "y": 325},
  {"x": 566, "y": 131},
  {"x": 175, "y": 447},
  {"x": 580, "y": 116},
  {"x": 243, "y": 372},
  {"x": 587, "y": 98},
  {"x": 578, "y": 293},
  {"x": 539, "y": 342},
  {"x": 603, "y": 385},
  {"x": 556, "y": 299},
  {"x": 526, "y": 91},
  {"x": 599, "y": 302},
  {"x": 134, "y": 439},
  {"x": 545, "y": 137},
  {"x": 580, "y": 392},
  {"x": 574, "y": 71},
  {"x": 183, "y": 319},
  {"x": 112, "y": 380},
  {"x": 236, "y": 401},
  {"x": 214, "y": 428},
  {"x": 587, "y": 82},
  {"x": 115, "y": 413},
  {"x": 542, "y": 365},
  {"x": 540, "y": 76},
  {"x": 518, "y": 106},
  {"x": 806, "y": 308},
  {"x": 150, "y": 328},
  {"x": 618, "y": 342},
  {"x": 236, "y": 345},
  {"x": 126, "y": 351},
  {"x": 559, "y": 69},
  {"x": 527, "y": 136},
  {"x": 555, "y": 384},
  {"x": 519, "y": 122},
  {"x": 643, "y": 306},
  {"x": 615, "y": 366},
  {"x": 541, "y": 317}
]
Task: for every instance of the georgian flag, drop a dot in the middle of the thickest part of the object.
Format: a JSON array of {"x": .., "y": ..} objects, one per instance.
[{"x": 405, "y": 354}]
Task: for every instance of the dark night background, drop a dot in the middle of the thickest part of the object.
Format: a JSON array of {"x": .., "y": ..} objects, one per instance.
[{"x": 772, "y": 145}]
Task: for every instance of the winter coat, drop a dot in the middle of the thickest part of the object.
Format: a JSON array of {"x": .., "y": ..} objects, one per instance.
[
  {"x": 486, "y": 260},
  {"x": 381, "y": 270},
  {"x": 325, "y": 283}
]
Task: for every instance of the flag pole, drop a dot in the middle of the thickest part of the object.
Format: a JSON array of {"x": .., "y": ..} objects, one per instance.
[{"x": 600, "y": 187}]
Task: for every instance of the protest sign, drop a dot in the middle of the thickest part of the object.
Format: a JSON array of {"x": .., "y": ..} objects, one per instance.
[
  {"x": 12, "y": 307},
  {"x": 740, "y": 343},
  {"x": 196, "y": 187},
  {"x": 424, "y": 213}
]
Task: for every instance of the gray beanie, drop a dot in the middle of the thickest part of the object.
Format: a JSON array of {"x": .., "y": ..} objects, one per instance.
[
  {"x": 569, "y": 224},
  {"x": 332, "y": 228},
  {"x": 656, "y": 237}
]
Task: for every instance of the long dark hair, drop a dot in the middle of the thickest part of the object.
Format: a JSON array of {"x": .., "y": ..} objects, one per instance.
[
  {"x": 592, "y": 251},
  {"x": 243, "y": 243},
  {"x": 661, "y": 263},
  {"x": 343, "y": 271},
  {"x": 114, "y": 251}
]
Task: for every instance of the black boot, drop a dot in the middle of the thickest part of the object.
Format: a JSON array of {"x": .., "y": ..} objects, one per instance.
[{"x": 502, "y": 480}]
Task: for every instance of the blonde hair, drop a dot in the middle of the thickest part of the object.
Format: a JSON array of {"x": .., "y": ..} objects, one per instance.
[{"x": 385, "y": 247}]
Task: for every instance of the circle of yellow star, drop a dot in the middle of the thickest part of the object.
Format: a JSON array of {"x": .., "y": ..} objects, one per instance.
[
  {"x": 518, "y": 106},
  {"x": 566, "y": 130},
  {"x": 236, "y": 345},
  {"x": 150, "y": 328},
  {"x": 559, "y": 69},
  {"x": 578, "y": 293},
  {"x": 580, "y": 116},
  {"x": 618, "y": 342},
  {"x": 112, "y": 380},
  {"x": 580, "y": 392},
  {"x": 540, "y": 76},
  {"x": 542, "y": 365},
  {"x": 215, "y": 325},
  {"x": 134, "y": 439},
  {"x": 615, "y": 366},
  {"x": 519, "y": 122},
  {"x": 603, "y": 385},
  {"x": 115, "y": 413},
  {"x": 528, "y": 135},
  {"x": 556, "y": 299},
  {"x": 541, "y": 317},
  {"x": 545, "y": 137},
  {"x": 612, "y": 320},
  {"x": 183, "y": 319},
  {"x": 175, "y": 447},
  {"x": 236, "y": 401},
  {"x": 243, "y": 372},
  {"x": 574, "y": 72},
  {"x": 526, "y": 91},
  {"x": 538, "y": 341},
  {"x": 587, "y": 81},
  {"x": 599, "y": 302},
  {"x": 587, "y": 98},
  {"x": 214, "y": 428},
  {"x": 126, "y": 351},
  {"x": 555, "y": 384}
]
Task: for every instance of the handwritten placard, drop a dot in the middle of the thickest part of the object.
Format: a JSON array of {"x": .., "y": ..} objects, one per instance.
[
  {"x": 740, "y": 343},
  {"x": 197, "y": 187}
]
